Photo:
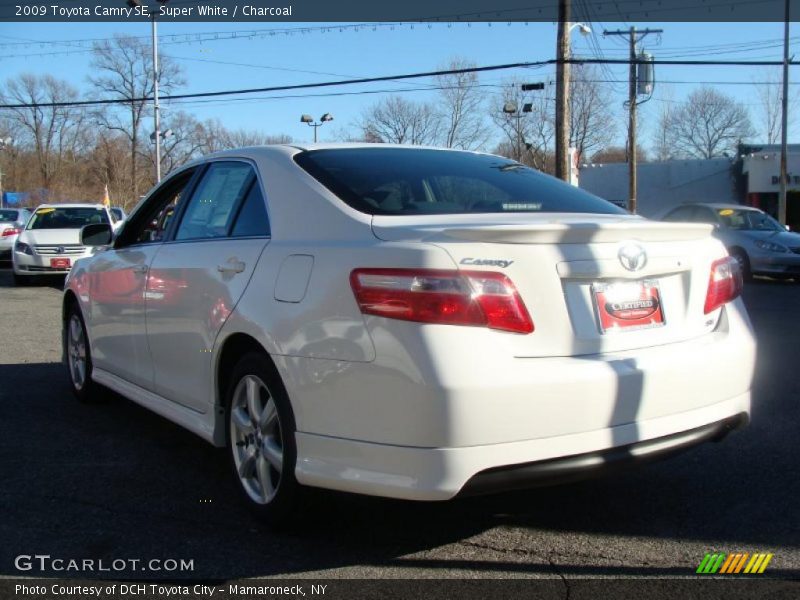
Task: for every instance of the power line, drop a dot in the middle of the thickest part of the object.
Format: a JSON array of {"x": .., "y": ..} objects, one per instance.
[{"x": 321, "y": 84}]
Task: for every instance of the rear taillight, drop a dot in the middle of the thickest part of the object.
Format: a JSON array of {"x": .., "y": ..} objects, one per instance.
[
  {"x": 10, "y": 231},
  {"x": 724, "y": 284},
  {"x": 476, "y": 298}
]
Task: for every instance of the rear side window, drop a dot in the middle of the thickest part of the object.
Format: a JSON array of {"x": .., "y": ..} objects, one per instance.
[
  {"x": 682, "y": 214},
  {"x": 211, "y": 208},
  {"x": 409, "y": 181},
  {"x": 252, "y": 219}
]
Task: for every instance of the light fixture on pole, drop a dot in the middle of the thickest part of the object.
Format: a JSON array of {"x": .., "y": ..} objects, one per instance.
[
  {"x": 582, "y": 27},
  {"x": 512, "y": 112},
  {"x": 156, "y": 117},
  {"x": 309, "y": 120}
]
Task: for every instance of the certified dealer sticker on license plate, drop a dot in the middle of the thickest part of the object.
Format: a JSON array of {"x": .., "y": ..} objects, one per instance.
[
  {"x": 59, "y": 263},
  {"x": 628, "y": 305}
]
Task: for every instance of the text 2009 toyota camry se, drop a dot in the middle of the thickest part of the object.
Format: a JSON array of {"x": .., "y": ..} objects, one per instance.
[{"x": 408, "y": 322}]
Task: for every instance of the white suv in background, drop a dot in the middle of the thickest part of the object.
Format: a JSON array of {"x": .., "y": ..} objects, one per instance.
[
  {"x": 408, "y": 322},
  {"x": 50, "y": 243}
]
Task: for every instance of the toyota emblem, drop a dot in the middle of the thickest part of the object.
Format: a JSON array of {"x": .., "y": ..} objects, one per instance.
[
  {"x": 632, "y": 256},
  {"x": 60, "y": 250}
]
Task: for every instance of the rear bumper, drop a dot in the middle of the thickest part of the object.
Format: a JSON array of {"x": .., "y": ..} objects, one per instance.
[
  {"x": 602, "y": 462},
  {"x": 443, "y": 473}
]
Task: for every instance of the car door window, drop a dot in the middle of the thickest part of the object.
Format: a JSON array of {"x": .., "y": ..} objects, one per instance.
[
  {"x": 252, "y": 219},
  {"x": 150, "y": 224},
  {"x": 212, "y": 207}
]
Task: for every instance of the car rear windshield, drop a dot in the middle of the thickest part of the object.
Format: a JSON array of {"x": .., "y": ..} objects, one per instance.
[
  {"x": 414, "y": 181},
  {"x": 8, "y": 216},
  {"x": 66, "y": 218}
]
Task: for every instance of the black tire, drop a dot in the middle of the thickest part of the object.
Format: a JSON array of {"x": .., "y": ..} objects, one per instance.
[
  {"x": 744, "y": 263},
  {"x": 85, "y": 390},
  {"x": 21, "y": 280},
  {"x": 252, "y": 455}
]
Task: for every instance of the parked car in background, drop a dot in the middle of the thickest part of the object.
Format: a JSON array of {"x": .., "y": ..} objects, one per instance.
[
  {"x": 12, "y": 221},
  {"x": 50, "y": 242},
  {"x": 408, "y": 322},
  {"x": 759, "y": 243},
  {"x": 118, "y": 213}
]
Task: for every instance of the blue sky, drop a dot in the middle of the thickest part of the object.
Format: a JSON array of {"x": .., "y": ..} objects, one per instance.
[{"x": 320, "y": 55}]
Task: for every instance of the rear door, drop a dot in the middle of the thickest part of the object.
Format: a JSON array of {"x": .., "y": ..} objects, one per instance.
[{"x": 198, "y": 276}]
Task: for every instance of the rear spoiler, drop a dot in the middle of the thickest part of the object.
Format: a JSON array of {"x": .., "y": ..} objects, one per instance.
[{"x": 581, "y": 233}]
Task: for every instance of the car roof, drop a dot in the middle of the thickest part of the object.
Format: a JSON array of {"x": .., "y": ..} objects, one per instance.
[
  {"x": 296, "y": 148},
  {"x": 721, "y": 206},
  {"x": 70, "y": 205}
]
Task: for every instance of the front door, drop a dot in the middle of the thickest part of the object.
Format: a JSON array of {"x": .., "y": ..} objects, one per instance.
[{"x": 118, "y": 281}]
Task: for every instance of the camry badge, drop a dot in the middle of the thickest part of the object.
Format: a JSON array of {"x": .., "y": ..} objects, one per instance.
[{"x": 632, "y": 256}]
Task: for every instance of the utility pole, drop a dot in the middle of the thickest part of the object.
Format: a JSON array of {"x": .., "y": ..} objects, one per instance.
[
  {"x": 156, "y": 108},
  {"x": 784, "y": 117},
  {"x": 562, "y": 91},
  {"x": 632, "y": 93}
]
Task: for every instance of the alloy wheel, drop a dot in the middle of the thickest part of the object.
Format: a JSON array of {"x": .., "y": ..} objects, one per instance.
[
  {"x": 76, "y": 352},
  {"x": 256, "y": 439}
]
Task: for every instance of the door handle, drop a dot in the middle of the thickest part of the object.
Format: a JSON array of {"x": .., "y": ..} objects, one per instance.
[
  {"x": 139, "y": 269},
  {"x": 234, "y": 265}
]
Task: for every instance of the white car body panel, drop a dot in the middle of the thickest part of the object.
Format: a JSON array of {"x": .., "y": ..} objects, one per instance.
[
  {"x": 181, "y": 336},
  {"x": 411, "y": 410},
  {"x": 116, "y": 324}
]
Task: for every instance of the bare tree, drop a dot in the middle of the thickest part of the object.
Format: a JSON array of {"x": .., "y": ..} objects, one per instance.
[
  {"x": 213, "y": 136},
  {"x": 527, "y": 136},
  {"x": 124, "y": 71},
  {"x": 770, "y": 93},
  {"x": 398, "y": 121},
  {"x": 591, "y": 119},
  {"x": 662, "y": 147},
  {"x": 461, "y": 108},
  {"x": 108, "y": 165},
  {"x": 54, "y": 133},
  {"x": 618, "y": 154},
  {"x": 709, "y": 124},
  {"x": 185, "y": 142},
  {"x": 239, "y": 138}
]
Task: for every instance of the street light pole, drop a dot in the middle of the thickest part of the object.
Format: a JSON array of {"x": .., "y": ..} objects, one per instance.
[{"x": 156, "y": 116}]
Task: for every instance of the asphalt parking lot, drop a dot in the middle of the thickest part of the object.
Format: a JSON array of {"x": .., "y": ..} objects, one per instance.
[{"x": 116, "y": 481}]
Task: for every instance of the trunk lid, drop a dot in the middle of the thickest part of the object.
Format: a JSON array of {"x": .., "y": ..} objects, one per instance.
[{"x": 569, "y": 269}]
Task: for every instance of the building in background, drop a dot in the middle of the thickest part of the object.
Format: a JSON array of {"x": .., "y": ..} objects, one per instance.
[
  {"x": 760, "y": 170},
  {"x": 664, "y": 185},
  {"x": 751, "y": 178}
]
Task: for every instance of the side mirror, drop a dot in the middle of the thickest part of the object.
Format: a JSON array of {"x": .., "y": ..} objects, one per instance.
[{"x": 96, "y": 234}]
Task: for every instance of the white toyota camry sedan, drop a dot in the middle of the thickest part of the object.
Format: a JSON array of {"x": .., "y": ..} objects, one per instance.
[{"x": 408, "y": 322}]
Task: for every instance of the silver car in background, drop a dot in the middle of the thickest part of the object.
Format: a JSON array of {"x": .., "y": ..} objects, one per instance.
[
  {"x": 759, "y": 243},
  {"x": 12, "y": 222}
]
